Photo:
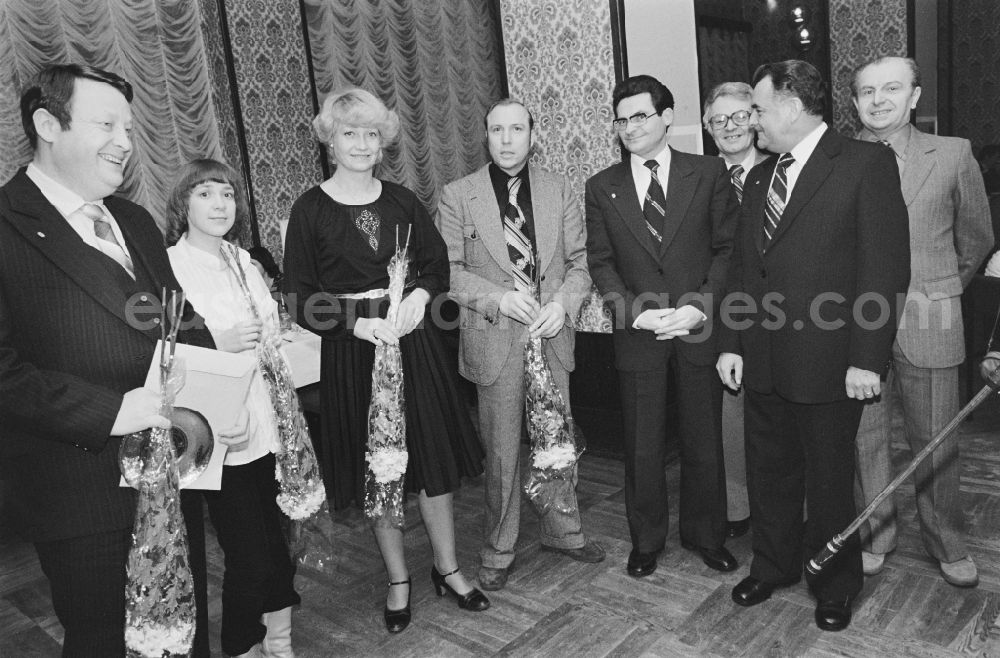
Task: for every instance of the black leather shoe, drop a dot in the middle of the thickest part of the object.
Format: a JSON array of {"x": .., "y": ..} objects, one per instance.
[
  {"x": 641, "y": 564},
  {"x": 397, "y": 620},
  {"x": 833, "y": 615},
  {"x": 719, "y": 558},
  {"x": 473, "y": 600},
  {"x": 750, "y": 591},
  {"x": 737, "y": 528}
]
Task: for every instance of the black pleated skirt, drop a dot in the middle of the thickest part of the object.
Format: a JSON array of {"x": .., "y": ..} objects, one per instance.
[{"x": 441, "y": 440}]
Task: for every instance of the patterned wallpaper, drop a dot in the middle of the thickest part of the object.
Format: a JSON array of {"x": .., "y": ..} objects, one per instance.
[
  {"x": 211, "y": 31},
  {"x": 560, "y": 64},
  {"x": 272, "y": 75},
  {"x": 975, "y": 71},
  {"x": 860, "y": 31}
]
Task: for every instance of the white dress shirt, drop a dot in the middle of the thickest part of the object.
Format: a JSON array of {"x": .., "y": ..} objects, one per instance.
[
  {"x": 801, "y": 152},
  {"x": 215, "y": 293},
  {"x": 993, "y": 266},
  {"x": 67, "y": 202},
  {"x": 641, "y": 174}
]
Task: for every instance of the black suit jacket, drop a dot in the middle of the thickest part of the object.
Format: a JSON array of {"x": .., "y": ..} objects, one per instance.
[
  {"x": 843, "y": 239},
  {"x": 73, "y": 340},
  {"x": 634, "y": 274}
]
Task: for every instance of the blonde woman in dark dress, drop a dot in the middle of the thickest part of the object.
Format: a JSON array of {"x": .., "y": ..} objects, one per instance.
[{"x": 341, "y": 236}]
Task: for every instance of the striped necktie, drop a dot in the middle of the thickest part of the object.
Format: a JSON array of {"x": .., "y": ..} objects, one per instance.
[
  {"x": 776, "y": 197},
  {"x": 102, "y": 229},
  {"x": 735, "y": 174},
  {"x": 519, "y": 249},
  {"x": 654, "y": 208}
]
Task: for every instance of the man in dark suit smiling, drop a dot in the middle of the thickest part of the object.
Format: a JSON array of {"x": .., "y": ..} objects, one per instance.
[
  {"x": 821, "y": 255},
  {"x": 80, "y": 275},
  {"x": 659, "y": 235}
]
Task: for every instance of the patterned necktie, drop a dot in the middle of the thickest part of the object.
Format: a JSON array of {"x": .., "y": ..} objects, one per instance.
[
  {"x": 776, "y": 197},
  {"x": 736, "y": 173},
  {"x": 522, "y": 260},
  {"x": 102, "y": 229},
  {"x": 654, "y": 208}
]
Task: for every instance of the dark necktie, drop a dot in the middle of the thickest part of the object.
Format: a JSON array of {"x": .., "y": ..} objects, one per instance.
[
  {"x": 655, "y": 205},
  {"x": 899, "y": 162},
  {"x": 102, "y": 229},
  {"x": 776, "y": 197},
  {"x": 735, "y": 174},
  {"x": 518, "y": 246}
]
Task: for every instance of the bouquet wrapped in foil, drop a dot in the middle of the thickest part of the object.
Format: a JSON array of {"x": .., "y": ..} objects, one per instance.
[
  {"x": 554, "y": 450},
  {"x": 296, "y": 468},
  {"x": 159, "y": 590},
  {"x": 386, "y": 455}
]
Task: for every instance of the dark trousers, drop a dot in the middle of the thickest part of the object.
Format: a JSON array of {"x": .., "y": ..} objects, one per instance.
[
  {"x": 794, "y": 452},
  {"x": 259, "y": 573},
  {"x": 703, "y": 480},
  {"x": 87, "y": 578}
]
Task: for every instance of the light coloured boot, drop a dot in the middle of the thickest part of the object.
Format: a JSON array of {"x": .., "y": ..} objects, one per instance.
[{"x": 278, "y": 641}]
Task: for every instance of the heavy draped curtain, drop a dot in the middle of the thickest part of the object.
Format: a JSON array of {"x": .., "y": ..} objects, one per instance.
[
  {"x": 435, "y": 62},
  {"x": 156, "y": 45}
]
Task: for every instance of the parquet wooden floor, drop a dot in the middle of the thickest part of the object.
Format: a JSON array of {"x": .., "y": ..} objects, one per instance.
[{"x": 554, "y": 606}]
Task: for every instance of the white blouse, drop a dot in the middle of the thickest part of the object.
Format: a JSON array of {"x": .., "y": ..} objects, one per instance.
[{"x": 215, "y": 293}]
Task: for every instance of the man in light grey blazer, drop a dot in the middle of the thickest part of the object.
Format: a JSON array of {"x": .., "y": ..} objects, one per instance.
[
  {"x": 500, "y": 223},
  {"x": 950, "y": 234}
]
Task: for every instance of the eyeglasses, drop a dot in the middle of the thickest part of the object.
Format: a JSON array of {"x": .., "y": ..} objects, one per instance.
[
  {"x": 720, "y": 121},
  {"x": 636, "y": 119}
]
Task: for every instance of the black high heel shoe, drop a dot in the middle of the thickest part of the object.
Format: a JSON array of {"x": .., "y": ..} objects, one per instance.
[
  {"x": 474, "y": 601},
  {"x": 397, "y": 620}
]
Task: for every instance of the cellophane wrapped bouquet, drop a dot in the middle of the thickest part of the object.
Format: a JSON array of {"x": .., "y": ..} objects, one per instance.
[
  {"x": 159, "y": 588},
  {"x": 554, "y": 450},
  {"x": 300, "y": 482},
  {"x": 386, "y": 456}
]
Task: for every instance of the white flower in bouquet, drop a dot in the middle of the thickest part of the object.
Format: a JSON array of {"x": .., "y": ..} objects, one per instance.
[
  {"x": 152, "y": 639},
  {"x": 300, "y": 503},
  {"x": 387, "y": 464},
  {"x": 555, "y": 458}
]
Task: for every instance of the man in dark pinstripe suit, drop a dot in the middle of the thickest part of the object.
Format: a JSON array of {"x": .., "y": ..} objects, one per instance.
[{"x": 80, "y": 272}]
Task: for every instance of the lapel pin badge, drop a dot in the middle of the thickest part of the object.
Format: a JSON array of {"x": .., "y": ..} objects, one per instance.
[
  {"x": 40, "y": 234},
  {"x": 613, "y": 195}
]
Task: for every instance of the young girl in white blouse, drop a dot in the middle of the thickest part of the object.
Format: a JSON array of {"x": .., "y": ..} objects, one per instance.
[{"x": 205, "y": 210}]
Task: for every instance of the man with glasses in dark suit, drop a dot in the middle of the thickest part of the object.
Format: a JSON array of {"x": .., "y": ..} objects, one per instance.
[{"x": 659, "y": 234}]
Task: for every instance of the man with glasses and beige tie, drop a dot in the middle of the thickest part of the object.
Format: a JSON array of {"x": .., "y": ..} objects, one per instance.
[{"x": 659, "y": 235}]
